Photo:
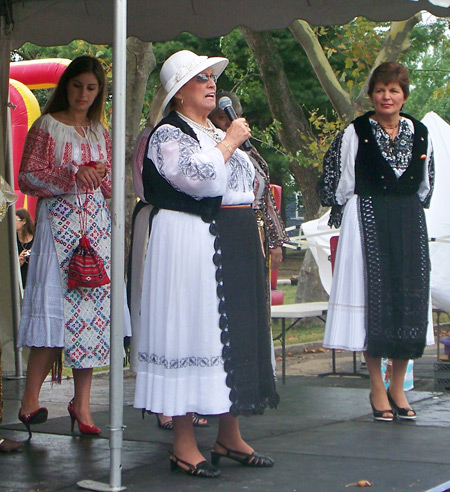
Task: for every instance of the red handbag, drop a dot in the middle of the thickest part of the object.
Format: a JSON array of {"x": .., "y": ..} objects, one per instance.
[{"x": 86, "y": 268}]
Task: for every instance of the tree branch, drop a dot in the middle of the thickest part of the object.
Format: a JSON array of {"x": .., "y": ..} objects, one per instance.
[{"x": 338, "y": 96}]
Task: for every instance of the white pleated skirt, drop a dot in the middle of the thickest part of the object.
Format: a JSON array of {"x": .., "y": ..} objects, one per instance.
[
  {"x": 345, "y": 326},
  {"x": 180, "y": 365}
]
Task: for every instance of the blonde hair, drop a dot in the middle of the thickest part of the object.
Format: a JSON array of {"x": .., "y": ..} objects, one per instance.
[{"x": 156, "y": 113}]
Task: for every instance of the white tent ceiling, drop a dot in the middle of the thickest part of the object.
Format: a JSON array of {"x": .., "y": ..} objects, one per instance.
[{"x": 55, "y": 22}]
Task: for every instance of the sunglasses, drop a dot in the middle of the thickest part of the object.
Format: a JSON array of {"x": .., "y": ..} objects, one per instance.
[{"x": 204, "y": 77}]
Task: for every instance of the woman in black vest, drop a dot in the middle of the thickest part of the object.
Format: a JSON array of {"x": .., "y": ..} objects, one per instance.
[
  {"x": 204, "y": 341},
  {"x": 378, "y": 177}
]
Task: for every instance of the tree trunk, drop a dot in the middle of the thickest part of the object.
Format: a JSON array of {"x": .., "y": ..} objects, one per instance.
[
  {"x": 140, "y": 63},
  {"x": 287, "y": 110}
]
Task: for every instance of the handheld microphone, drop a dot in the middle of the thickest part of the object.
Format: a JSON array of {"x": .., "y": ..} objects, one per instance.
[{"x": 226, "y": 105}]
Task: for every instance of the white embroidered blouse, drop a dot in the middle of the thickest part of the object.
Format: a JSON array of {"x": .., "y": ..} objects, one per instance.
[{"x": 199, "y": 170}]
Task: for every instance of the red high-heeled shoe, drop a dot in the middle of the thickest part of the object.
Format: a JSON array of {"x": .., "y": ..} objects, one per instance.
[
  {"x": 84, "y": 428},
  {"x": 39, "y": 416}
]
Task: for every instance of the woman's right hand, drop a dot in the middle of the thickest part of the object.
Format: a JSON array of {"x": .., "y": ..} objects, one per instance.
[
  {"x": 23, "y": 256},
  {"x": 238, "y": 132},
  {"x": 88, "y": 178}
]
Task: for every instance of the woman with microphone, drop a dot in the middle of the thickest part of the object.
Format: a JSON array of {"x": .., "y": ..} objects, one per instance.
[{"x": 204, "y": 343}]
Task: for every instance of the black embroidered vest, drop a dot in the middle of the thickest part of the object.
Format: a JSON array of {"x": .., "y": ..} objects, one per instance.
[
  {"x": 161, "y": 194},
  {"x": 373, "y": 175}
]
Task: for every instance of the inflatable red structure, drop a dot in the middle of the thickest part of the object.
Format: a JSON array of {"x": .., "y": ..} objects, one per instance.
[{"x": 24, "y": 108}]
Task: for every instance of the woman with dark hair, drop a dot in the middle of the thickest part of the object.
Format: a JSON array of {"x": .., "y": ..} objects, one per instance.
[
  {"x": 204, "y": 341},
  {"x": 67, "y": 163},
  {"x": 25, "y": 237},
  {"x": 378, "y": 177}
]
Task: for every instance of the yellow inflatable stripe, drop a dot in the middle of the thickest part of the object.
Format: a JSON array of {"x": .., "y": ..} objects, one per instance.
[{"x": 33, "y": 109}]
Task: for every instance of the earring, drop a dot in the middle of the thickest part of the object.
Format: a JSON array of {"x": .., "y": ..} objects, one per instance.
[{"x": 182, "y": 101}]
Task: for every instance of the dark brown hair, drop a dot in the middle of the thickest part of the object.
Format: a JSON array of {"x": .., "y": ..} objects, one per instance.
[
  {"x": 28, "y": 222},
  {"x": 387, "y": 73},
  {"x": 83, "y": 64}
]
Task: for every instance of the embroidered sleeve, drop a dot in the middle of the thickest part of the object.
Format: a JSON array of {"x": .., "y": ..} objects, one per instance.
[
  {"x": 106, "y": 181},
  {"x": 180, "y": 160},
  {"x": 40, "y": 174},
  {"x": 329, "y": 181}
]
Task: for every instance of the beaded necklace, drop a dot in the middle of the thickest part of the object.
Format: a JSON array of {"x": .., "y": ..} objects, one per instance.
[{"x": 209, "y": 130}]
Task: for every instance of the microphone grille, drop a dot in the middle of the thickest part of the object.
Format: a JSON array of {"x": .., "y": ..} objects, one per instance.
[{"x": 224, "y": 102}]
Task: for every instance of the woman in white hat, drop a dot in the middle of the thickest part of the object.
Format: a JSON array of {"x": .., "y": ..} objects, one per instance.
[{"x": 204, "y": 342}]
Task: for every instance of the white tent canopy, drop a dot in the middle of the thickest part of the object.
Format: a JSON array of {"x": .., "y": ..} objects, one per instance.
[{"x": 56, "y": 22}]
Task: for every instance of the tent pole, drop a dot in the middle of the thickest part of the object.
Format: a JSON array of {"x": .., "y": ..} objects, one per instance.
[
  {"x": 16, "y": 281},
  {"x": 117, "y": 253},
  {"x": 118, "y": 240}
]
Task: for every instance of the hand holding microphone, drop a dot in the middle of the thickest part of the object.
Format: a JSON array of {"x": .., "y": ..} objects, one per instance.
[{"x": 238, "y": 130}]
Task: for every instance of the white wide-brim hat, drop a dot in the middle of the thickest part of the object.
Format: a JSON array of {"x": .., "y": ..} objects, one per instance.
[{"x": 180, "y": 67}]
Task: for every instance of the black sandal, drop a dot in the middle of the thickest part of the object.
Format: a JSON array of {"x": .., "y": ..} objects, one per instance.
[
  {"x": 246, "y": 459},
  {"x": 401, "y": 413},
  {"x": 166, "y": 425},
  {"x": 380, "y": 415},
  {"x": 202, "y": 469}
]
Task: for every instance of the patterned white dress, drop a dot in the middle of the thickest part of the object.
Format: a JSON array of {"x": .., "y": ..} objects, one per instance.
[{"x": 53, "y": 316}]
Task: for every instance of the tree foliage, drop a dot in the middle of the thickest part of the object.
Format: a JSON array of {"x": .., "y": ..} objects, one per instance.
[{"x": 428, "y": 62}]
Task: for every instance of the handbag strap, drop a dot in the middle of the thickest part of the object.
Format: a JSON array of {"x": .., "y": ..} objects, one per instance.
[{"x": 82, "y": 212}]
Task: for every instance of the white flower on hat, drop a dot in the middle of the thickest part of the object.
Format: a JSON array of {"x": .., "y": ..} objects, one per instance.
[{"x": 183, "y": 71}]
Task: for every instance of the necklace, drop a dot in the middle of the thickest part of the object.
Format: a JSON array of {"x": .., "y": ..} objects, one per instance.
[
  {"x": 209, "y": 130},
  {"x": 392, "y": 129}
]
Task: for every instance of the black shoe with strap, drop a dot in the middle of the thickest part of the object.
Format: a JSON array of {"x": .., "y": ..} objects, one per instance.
[
  {"x": 246, "y": 459},
  {"x": 401, "y": 413},
  {"x": 202, "y": 469},
  {"x": 381, "y": 415}
]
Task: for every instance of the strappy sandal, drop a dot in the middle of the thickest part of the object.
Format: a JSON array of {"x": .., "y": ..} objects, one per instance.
[
  {"x": 199, "y": 421},
  {"x": 246, "y": 459},
  {"x": 202, "y": 469},
  {"x": 164, "y": 425},
  {"x": 401, "y": 413}
]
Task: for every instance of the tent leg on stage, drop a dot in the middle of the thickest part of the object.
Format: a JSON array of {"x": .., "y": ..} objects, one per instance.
[{"x": 101, "y": 487}]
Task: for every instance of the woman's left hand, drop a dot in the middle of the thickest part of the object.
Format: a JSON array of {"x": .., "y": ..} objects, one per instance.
[
  {"x": 88, "y": 178},
  {"x": 276, "y": 258},
  {"x": 101, "y": 169}
]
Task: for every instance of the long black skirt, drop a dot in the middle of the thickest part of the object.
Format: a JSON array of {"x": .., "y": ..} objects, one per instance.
[
  {"x": 397, "y": 275},
  {"x": 241, "y": 288}
]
